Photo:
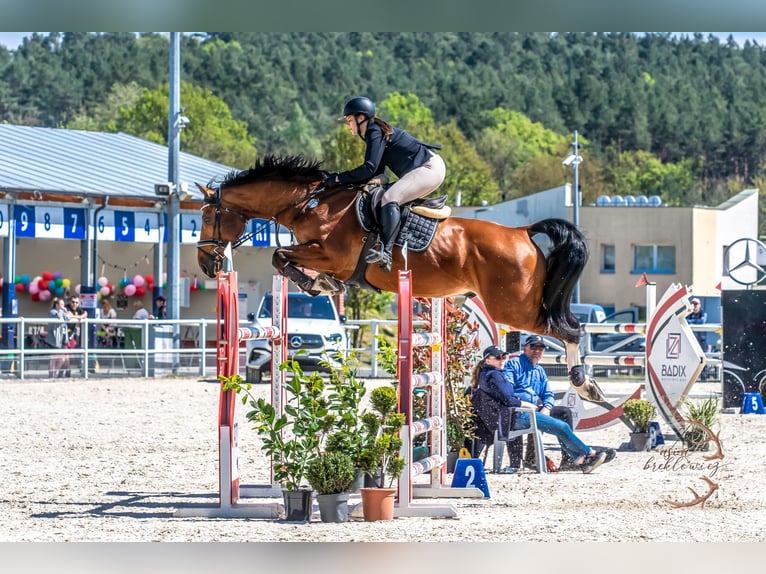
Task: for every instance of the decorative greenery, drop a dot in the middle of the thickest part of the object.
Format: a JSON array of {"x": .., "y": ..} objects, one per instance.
[
  {"x": 640, "y": 412},
  {"x": 345, "y": 397},
  {"x": 292, "y": 440},
  {"x": 387, "y": 355},
  {"x": 462, "y": 350},
  {"x": 703, "y": 412},
  {"x": 331, "y": 473},
  {"x": 380, "y": 455}
]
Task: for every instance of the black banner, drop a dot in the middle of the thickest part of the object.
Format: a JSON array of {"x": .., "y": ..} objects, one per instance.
[{"x": 744, "y": 344}]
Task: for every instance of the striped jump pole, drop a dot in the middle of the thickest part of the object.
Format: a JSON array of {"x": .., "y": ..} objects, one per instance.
[
  {"x": 434, "y": 425},
  {"x": 228, "y": 336}
]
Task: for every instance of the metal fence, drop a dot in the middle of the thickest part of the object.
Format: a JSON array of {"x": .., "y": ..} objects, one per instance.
[{"x": 139, "y": 348}]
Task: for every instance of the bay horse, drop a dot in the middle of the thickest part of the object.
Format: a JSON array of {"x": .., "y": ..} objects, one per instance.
[{"x": 518, "y": 284}]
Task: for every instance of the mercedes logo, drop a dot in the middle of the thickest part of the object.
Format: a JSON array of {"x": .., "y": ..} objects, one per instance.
[
  {"x": 296, "y": 341},
  {"x": 743, "y": 261}
]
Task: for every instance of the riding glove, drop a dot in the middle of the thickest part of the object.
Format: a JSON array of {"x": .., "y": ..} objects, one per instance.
[{"x": 331, "y": 180}]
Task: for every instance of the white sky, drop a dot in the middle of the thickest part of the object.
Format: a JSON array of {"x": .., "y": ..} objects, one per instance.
[{"x": 13, "y": 39}]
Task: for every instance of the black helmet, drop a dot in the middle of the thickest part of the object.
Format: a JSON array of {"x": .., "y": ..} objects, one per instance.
[{"x": 359, "y": 105}]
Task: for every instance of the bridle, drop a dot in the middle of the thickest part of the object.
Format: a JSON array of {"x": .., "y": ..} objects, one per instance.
[{"x": 219, "y": 245}]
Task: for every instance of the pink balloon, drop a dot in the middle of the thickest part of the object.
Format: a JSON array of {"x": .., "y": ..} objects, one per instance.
[
  {"x": 45, "y": 295},
  {"x": 104, "y": 291},
  {"x": 34, "y": 288},
  {"x": 130, "y": 290},
  {"x": 102, "y": 281},
  {"x": 139, "y": 281},
  {"x": 77, "y": 289}
]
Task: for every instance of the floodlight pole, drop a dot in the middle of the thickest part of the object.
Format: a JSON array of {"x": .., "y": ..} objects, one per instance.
[
  {"x": 173, "y": 204},
  {"x": 576, "y": 208}
]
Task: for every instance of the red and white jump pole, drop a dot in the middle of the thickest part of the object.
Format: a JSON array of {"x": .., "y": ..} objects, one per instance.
[
  {"x": 436, "y": 423},
  {"x": 228, "y": 336}
]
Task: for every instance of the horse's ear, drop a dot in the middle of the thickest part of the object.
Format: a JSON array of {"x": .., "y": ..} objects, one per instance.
[{"x": 206, "y": 191}]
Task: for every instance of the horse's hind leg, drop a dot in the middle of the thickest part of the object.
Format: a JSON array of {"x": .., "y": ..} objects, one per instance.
[{"x": 585, "y": 386}]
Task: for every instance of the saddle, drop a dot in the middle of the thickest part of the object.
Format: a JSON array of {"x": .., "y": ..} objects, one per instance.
[
  {"x": 419, "y": 218},
  {"x": 418, "y": 226}
]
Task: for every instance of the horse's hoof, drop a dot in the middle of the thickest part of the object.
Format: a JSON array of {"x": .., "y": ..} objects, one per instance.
[
  {"x": 577, "y": 375},
  {"x": 590, "y": 391}
]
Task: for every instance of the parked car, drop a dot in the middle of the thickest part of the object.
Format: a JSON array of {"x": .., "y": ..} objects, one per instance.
[{"x": 313, "y": 325}]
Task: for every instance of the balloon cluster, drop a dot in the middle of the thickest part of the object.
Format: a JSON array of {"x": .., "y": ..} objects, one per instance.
[
  {"x": 105, "y": 288},
  {"x": 43, "y": 287},
  {"x": 196, "y": 285},
  {"x": 137, "y": 286}
]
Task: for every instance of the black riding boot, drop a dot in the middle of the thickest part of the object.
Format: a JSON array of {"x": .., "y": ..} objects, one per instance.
[{"x": 390, "y": 218}]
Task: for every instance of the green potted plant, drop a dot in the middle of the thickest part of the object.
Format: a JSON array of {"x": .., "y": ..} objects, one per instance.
[
  {"x": 640, "y": 413},
  {"x": 380, "y": 454},
  {"x": 703, "y": 413},
  {"x": 293, "y": 439},
  {"x": 331, "y": 474},
  {"x": 346, "y": 395}
]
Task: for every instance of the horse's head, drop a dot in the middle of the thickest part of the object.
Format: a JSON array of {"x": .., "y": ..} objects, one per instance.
[{"x": 220, "y": 227}]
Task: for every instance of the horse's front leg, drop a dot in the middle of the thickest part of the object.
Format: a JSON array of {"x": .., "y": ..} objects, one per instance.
[
  {"x": 585, "y": 386},
  {"x": 299, "y": 264}
]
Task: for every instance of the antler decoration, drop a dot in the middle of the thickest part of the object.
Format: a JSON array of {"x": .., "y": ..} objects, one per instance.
[
  {"x": 710, "y": 437},
  {"x": 701, "y": 500}
]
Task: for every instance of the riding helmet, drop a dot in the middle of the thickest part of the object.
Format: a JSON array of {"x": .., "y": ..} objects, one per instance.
[{"x": 359, "y": 105}]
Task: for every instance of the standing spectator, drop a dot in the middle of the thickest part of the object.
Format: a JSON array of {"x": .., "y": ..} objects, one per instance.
[
  {"x": 78, "y": 314},
  {"x": 698, "y": 317},
  {"x": 141, "y": 312},
  {"x": 161, "y": 307},
  {"x": 110, "y": 329},
  {"x": 57, "y": 338}
]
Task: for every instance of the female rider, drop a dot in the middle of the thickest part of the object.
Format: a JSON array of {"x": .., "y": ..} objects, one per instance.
[{"x": 419, "y": 169}]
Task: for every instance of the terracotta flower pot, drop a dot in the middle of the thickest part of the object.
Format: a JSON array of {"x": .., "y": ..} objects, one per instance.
[{"x": 378, "y": 503}]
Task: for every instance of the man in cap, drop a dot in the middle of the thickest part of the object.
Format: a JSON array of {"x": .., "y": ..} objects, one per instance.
[
  {"x": 698, "y": 317},
  {"x": 530, "y": 383}
]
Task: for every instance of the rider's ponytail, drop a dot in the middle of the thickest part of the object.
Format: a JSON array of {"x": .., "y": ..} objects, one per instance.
[{"x": 387, "y": 129}]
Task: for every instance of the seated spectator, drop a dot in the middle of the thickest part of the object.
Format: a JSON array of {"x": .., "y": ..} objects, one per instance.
[
  {"x": 530, "y": 383},
  {"x": 493, "y": 385}
]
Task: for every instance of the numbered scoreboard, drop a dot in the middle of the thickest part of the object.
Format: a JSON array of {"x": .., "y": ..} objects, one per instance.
[{"x": 45, "y": 222}]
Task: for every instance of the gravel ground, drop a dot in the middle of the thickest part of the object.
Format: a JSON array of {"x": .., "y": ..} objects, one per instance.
[{"x": 112, "y": 461}]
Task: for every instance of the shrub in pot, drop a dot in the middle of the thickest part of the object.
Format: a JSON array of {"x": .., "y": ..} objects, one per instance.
[
  {"x": 345, "y": 396},
  {"x": 380, "y": 455},
  {"x": 331, "y": 474},
  {"x": 704, "y": 413},
  {"x": 293, "y": 439},
  {"x": 640, "y": 413}
]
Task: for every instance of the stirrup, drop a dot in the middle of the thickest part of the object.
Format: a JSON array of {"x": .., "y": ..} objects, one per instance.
[{"x": 375, "y": 255}]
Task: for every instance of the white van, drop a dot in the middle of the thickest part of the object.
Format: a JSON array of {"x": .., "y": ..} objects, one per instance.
[{"x": 313, "y": 326}]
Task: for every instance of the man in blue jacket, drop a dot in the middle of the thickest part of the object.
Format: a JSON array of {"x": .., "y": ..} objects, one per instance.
[{"x": 530, "y": 383}]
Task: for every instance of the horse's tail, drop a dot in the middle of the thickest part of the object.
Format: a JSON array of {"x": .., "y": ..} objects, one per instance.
[{"x": 565, "y": 263}]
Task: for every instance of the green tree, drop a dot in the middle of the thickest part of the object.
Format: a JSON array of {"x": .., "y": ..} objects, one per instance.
[
  {"x": 105, "y": 114},
  {"x": 212, "y": 132},
  {"x": 641, "y": 173}
]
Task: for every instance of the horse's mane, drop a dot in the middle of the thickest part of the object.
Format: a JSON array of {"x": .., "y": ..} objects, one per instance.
[{"x": 275, "y": 167}]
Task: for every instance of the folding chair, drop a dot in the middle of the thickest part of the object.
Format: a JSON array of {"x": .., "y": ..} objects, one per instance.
[{"x": 504, "y": 433}]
